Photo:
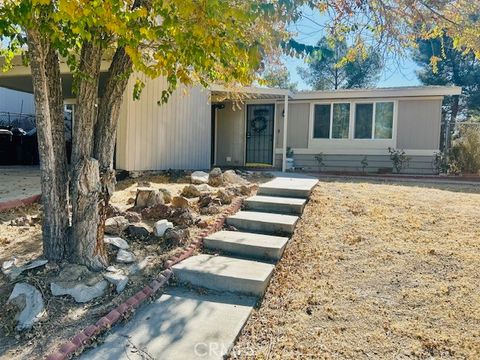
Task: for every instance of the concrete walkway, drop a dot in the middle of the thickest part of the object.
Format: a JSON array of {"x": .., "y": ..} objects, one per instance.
[{"x": 202, "y": 317}]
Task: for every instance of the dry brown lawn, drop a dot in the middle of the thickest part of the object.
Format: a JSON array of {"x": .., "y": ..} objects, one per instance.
[{"x": 375, "y": 271}]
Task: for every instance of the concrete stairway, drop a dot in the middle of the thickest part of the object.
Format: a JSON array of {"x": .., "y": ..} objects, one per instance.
[{"x": 234, "y": 280}]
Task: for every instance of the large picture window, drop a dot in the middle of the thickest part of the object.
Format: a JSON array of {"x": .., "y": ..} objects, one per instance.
[
  {"x": 331, "y": 121},
  {"x": 374, "y": 120}
]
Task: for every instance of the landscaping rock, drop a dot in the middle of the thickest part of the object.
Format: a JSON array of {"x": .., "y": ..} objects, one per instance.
[
  {"x": 206, "y": 199},
  {"x": 167, "y": 195},
  {"x": 112, "y": 211},
  {"x": 157, "y": 212},
  {"x": 180, "y": 202},
  {"x": 80, "y": 283},
  {"x": 12, "y": 271},
  {"x": 117, "y": 279},
  {"x": 125, "y": 257},
  {"x": 132, "y": 216},
  {"x": 116, "y": 241},
  {"x": 224, "y": 196},
  {"x": 190, "y": 191},
  {"x": 138, "y": 232},
  {"x": 29, "y": 301},
  {"x": 183, "y": 217},
  {"x": 161, "y": 226},
  {"x": 115, "y": 225},
  {"x": 199, "y": 177},
  {"x": 247, "y": 189},
  {"x": 177, "y": 236},
  {"x": 210, "y": 210},
  {"x": 147, "y": 197},
  {"x": 204, "y": 188},
  {"x": 230, "y": 177},
  {"x": 215, "y": 178},
  {"x": 22, "y": 221},
  {"x": 202, "y": 224}
]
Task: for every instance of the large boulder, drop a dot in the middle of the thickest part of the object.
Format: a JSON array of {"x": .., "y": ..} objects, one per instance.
[
  {"x": 156, "y": 212},
  {"x": 199, "y": 177},
  {"x": 190, "y": 191},
  {"x": 115, "y": 225},
  {"x": 207, "y": 199},
  {"x": 147, "y": 197},
  {"x": 80, "y": 283},
  {"x": 30, "y": 305},
  {"x": 231, "y": 177},
  {"x": 224, "y": 196},
  {"x": 215, "y": 178},
  {"x": 161, "y": 226}
]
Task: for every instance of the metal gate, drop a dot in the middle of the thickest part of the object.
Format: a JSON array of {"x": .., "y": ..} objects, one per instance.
[{"x": 260, "y": 130}]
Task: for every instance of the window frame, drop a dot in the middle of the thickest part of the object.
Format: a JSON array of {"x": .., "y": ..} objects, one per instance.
[
  {"x": 374, "y": 118},
  {"x": 330, "y": 127}
]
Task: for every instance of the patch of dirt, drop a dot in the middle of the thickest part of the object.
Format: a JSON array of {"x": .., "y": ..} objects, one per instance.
[
  {"x": 65, "y": 317},
  {"x": 375, "y": 271}
]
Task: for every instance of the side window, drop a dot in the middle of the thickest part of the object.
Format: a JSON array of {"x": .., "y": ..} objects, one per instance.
[
  {"x": 340, "y": 121},
  {"x": 321, "y": 122},
  {"x": 363, "y": 121},
  {"x": 383, "y": 120}
]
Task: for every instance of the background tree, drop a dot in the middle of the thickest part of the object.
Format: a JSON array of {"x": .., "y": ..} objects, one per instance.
[
  {"x": 278, "y": 76},
  {"x": 332, "y": 66},
  {"x": 187, "y": 42}
]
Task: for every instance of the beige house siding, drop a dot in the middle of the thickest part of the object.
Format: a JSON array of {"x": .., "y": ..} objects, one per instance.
[
  {"x": 230, "y": 135},
  {"x": 298, "y": 119},
  {"x": 175, "y": 135},
  {"x": 419, "y": 124}
]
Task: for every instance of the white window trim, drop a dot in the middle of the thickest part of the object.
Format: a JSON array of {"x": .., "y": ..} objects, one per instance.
[{"x": 374, "y": 119}]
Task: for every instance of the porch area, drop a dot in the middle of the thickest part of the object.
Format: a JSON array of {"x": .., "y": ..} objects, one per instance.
[{"x": 249, "y": 126}]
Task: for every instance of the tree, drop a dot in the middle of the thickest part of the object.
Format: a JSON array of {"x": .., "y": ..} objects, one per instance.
[
  {"x": 278, "y": 76},
  {"x": 328, "y": 67},
  {"x": 184, "y": 41}
]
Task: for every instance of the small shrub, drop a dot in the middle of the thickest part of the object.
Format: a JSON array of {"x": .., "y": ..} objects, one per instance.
[
  {"x": 399, "y": 159},
  {"x": 319, "y": 159},
  {"x": 439, "y": 163},
  {"x": 465, "y": 152},
  {"x": 364, "y": 163}
]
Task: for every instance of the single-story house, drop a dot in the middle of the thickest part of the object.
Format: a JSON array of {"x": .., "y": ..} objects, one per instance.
[{"x": 252, "y": 127}]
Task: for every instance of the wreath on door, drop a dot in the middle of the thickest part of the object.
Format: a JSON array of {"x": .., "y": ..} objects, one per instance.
[{"x": 259, "y": 122}]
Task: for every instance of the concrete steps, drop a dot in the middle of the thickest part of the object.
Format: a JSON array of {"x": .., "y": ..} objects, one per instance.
[
  {"x": 288, "y": 187},
  {"x": 181, "y": 324},
  {"x": 267, "y": 223},
  {"x": 275, "y": 204},
  {"x": 250, "y": 245},
  {"x": 224, "y": 274}
]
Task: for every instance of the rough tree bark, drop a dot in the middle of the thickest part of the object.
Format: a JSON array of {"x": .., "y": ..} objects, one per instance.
[
  {"x": 86, "y": 186},
  {"x": 51, "y": 145},
  {"x": 106, "y": 128}
]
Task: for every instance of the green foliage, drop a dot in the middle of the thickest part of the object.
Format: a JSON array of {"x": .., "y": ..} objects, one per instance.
[
  {"x": 289, "y": 152},
  {"x": 319, "y": 159},
  {"x": 454, "y": 68},
  {"x": 335, "y": 66},
  {"x": 465, "y": 152},
  {"x": 440, "y": 163},
  {"x": 278, "y": 76},
  {"x": 399, "y": 159},
  {"x": 364, "y": 164}
]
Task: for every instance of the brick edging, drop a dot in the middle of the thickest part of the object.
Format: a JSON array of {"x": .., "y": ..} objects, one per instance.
[
  {"x": 11, "y": 204},
  {"x": 77, "y": 343}
]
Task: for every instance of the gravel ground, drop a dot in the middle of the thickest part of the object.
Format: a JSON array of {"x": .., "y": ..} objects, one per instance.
[{"x": 375, "y": 271}]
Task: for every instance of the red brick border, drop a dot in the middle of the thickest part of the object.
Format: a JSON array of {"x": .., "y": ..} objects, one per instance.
[
  {"x": 11, "y": 204},
  {"x": 76, "y": 344}
]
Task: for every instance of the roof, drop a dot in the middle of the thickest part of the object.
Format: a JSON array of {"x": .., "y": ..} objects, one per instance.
[
  {"x": 405, "y": 91},
  {"x": 222, "y": 92}
]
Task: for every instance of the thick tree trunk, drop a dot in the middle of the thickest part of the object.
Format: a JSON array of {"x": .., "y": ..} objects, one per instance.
[
  {"x": 106, "y": 127},
  {"x": 46, "y": 87},
  {"x": 86, "y": 186}
]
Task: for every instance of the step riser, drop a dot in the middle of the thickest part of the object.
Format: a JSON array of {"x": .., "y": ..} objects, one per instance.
[
  {"x": 223, "y": 283},
  {"x": 294, "y": 193},
  {"x": 289, "y": 209},
  {"x": 251, "y": 252},
  {"x": 262, "y": 227}
]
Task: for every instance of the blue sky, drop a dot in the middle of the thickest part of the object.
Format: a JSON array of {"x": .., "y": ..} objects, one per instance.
[{"x": 397, "y": 72}]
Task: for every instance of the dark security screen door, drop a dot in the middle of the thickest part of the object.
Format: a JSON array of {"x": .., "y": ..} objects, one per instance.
[{"x": 260, "y": 134}]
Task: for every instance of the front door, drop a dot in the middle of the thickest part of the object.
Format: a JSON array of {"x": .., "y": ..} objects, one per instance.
[{"x": 259, "y": 148}]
